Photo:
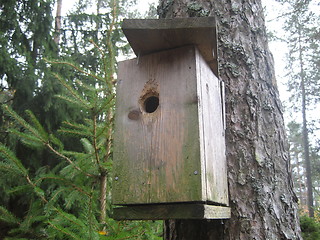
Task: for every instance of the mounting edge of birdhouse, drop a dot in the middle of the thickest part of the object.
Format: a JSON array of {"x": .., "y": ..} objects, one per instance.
[{"x": 170, "y": 100}]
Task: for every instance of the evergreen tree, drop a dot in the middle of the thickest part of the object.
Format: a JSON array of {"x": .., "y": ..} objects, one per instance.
[
  {"x": 23, "y": 41},
  {"x": 69, "y": 201},
  {"x": 302, "y": 31},
  {"x": 297, "y": 163},
  {"x": 63, "y": 192},
  {"x": 296, "y": 152},
  {"x": 25, "y": 28}
]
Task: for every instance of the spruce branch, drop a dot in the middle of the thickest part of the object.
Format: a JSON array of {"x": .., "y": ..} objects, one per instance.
[
  {"x": 38, "y": 191},
  {"x": 76, "y": 125},
  {"x": 109, "y": 77},
  {"x": 8, "y": 217},
  {"x": 73, "y": 92},
  {"x": 134, "y": 236},
  {"x": 107, "y": 102},
  {"x": 103, "y": 130},
  {"x": 68, "y": 160},
  {"x": 91, "y": 88},
  {"x": 96, "y": 150},
  {"x": 7, "y": 167},
  {"x": 23, "y": 123},
  {"x": 109, "y": 138},
  {"x": 97, "y": 47},
  {"x": 73, "y": 100},
  {"x": 53, "y": 139},
  {"x": 65, "y": 181},
  {"x": 103, "y": 199},
  {"x": 37, "y": 125},
  {"x": 71, "y": 218},
  {"x": 88, "y": 147},
  {"x": 75, "y": 129},
  {"x": 90, "y": 211},
  {"x": 109, "y": 80},
  {"x": 56, "y": 194},
  {"x": 64, "y": 230},
  {"x": 76, "y": 68},
  {"x": 27, "y": 139},
  {"x": 8, "y": 155}
]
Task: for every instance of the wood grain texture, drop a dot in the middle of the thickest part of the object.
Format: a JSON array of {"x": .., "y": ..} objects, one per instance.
[
  {"x": 213, "y": 145},
  {"x": 212, "y": 133},
  {"x": 176, "y": 153},
  {"x": 156, "y": 156},
  {"x": 151, "y": 35},
  {"x": 171, "y": 211}
]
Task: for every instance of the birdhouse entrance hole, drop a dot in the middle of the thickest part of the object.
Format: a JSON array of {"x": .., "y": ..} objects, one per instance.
[
  {"x": 149, "y": 99},
  {"x": 151, "y": 104}
]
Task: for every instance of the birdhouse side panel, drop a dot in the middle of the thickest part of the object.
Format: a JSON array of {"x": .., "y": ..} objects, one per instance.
[{"x": 213, "y": 133}]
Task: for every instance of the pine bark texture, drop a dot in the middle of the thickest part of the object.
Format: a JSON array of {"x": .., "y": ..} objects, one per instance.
[
  {"x": 58, "y": 19},
  {"x": 263, "y": 204}
]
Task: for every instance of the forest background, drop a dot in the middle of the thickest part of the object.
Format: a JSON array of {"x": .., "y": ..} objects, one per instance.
[{"x": 58, "y": 74}]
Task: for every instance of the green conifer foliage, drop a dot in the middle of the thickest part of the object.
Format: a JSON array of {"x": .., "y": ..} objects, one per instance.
[
  {"x": 65, "y": 202},
  {"x": 23, "y": 41},
  {"x": 56, "y": 183}
]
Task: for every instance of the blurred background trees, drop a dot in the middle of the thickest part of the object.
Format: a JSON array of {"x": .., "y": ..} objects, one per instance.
[
  {"x": 295, "y": 25},
  {"x": 300, "y": 33}
]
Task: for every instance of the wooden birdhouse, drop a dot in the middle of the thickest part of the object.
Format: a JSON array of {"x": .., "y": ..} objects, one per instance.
[{"x": 169, "y": 143}]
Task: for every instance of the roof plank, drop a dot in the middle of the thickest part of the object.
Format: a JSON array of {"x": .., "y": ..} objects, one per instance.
[{"x": 152, "y": 35}]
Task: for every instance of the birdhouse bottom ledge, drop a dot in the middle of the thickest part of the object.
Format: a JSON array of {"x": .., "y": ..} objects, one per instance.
[{"x": 171, "y": 211}]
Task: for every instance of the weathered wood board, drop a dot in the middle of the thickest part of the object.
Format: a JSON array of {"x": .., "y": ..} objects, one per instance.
[
  {"x": 171, "y": 211},
  {"x": 151, "y": 35},
  {"x": 212, "y": 132},
  {"x": 169, "y": 134},
  {"x": 156, "y": 155}
]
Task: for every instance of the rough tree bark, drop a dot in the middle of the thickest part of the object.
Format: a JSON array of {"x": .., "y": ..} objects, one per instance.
[
  {"x": 262, "y": 200},
  {"x": 57, "y": 27}
]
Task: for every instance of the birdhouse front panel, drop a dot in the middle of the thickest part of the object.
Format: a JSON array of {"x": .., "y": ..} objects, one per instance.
[{"x": 168, "y": 130}]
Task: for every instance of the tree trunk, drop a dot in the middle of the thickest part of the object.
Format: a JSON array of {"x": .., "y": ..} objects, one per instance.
[
  {"x": 299, "y": 180},
  {"x": 262, "y": 200},
  {"x": 306, "y": 152},
  {"x": 57, "y": 26}
]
